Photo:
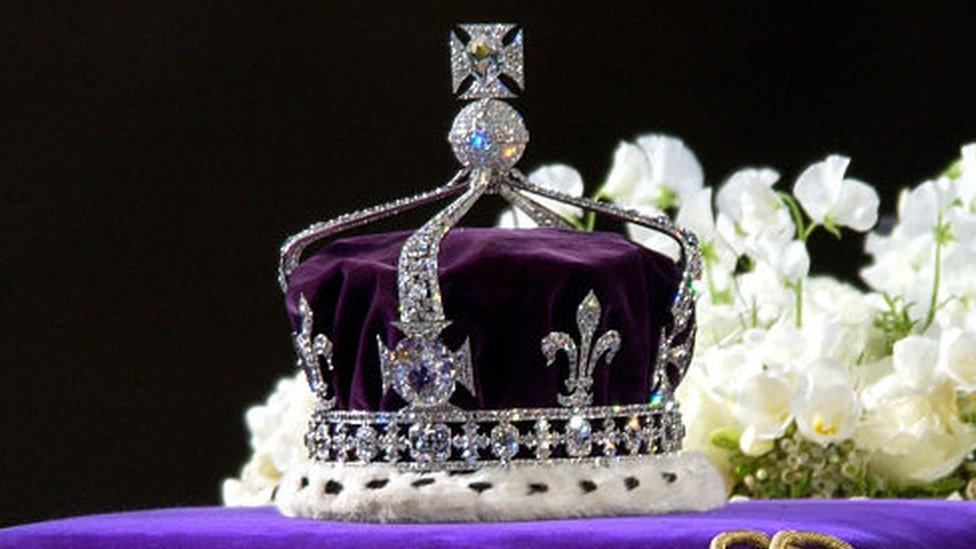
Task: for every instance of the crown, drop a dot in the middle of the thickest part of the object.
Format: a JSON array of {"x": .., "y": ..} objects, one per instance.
[{"x": 432, "y": 415}]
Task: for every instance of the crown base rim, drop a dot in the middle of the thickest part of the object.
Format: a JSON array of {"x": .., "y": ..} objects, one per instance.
[{"x": 655, "y": 484}]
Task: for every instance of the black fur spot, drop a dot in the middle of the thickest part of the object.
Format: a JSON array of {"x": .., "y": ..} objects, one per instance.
[
  {"x": 669, "y": 477},
  {"x": 422, "y": 482},
  {"x": 274, "y": 492},
  {"x": 631, "y": 483},
  {"x": 304, "y": 482},
  {"x": 378, "y": 483},
  {"x": 480, "y": 486},
  {"x": 332, "y": 487},
  {"x": 460, "y": 473},
  {"x": 587, "y": 486},
  {"x": 538, "y": 488}
]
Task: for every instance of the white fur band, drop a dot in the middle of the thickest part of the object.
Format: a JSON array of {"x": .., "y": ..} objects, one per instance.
[{"x": 683, "y": 481}]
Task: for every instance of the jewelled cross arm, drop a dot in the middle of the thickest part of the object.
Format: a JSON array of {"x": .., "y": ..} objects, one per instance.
[
  {"x": 296, "y": 244},
  {"x": 675, "y": 344},
  {"x": 542, "y": 216}
]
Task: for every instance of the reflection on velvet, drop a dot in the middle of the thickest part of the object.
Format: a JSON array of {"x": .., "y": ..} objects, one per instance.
[
  {"x": 505, "y": 289},
  {"x": 865, "y": 524}
]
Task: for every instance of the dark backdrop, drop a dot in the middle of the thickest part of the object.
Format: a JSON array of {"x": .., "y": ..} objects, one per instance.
[{"x": 157, "y": 156}]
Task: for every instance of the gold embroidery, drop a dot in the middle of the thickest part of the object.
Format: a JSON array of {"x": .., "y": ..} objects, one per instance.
[
  {"x": 792, "y": 539},
  {"x": 785, "y": 539},
  {"x": 723, "y": 540}
]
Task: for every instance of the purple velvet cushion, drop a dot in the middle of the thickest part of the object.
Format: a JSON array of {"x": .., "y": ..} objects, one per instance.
[
  {"x": 875, "y": 524},
  {"x": 504, "y": 289}
]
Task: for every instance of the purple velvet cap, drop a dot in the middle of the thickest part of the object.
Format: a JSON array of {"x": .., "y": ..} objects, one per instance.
[{"x": 505, "y": 289}]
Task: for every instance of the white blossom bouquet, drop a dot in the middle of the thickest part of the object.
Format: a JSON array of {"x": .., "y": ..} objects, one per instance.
[{"x": 801, "y": 386}]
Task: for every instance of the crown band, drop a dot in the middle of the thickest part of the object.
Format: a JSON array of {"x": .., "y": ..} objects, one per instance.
[{"x": 458, "y": 440}]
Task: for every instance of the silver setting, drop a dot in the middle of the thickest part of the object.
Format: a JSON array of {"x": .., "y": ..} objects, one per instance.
[
  {"x": 483, "y": 58},
  {"x": 470, "y": 442},
  {"x": 450, "y": 439},
  {"x": 579, "y": 382},
  {"x": 429, "y": 434},
  {"x": 309, "y": 348}
]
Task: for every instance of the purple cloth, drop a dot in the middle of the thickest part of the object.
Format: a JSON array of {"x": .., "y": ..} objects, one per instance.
[
  {"x": 864, "y": 524},
  {"x": 505, "y": 289}
]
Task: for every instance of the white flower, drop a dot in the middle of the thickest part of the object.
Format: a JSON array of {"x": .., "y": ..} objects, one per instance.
[
  {"x": 675, "y": 172},
  {"x": 696, "y": 215},
  {"x": 277, "y": 429},
  {"x": 750, "y": 212},
  {"x": 831, "y": 200},
  {"x": 705, "y": 415},
  {"x": 761, "y": 402},
  {"x": 658, "y": 171},
  {"x": 915, "y": 437},
  {"x": 558, "y": 177},
  {"x": 790, "y": 261},
  {"x": 920, "y": 209},
  {"x": 967, "y": 176},
  {"x": 761, "y": 297},
  {"x": 629, "y": 171},
  {"x": 825, "y": 405},
  {"x": 914, "y": 360},
  {"x": 957, "y": 358}
]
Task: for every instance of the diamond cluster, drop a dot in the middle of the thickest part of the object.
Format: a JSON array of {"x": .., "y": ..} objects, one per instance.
[{"x": 488, "y": 134}]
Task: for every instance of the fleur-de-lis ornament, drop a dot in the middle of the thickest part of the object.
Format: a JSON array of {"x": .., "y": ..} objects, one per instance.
[
  {"x": 584, "y": 361},
  {"x": 309, "y": 348}
]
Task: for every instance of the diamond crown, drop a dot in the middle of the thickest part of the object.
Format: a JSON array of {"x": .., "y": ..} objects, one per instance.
[{"x": 488, "y": 137}]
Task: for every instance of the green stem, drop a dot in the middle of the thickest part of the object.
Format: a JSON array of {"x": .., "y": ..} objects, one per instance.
[
  {"x": 572, "y": 220},
  {"x": 937, "y": 275},
  {"x": 589, "y": 222},
  {"x": 801, "y": 231},
  {"x": 806, "y": 233},
  {"x": 802, "y": 234},
  {"x": 798, "y": 290},
  {"x": 712, "y": 290}
]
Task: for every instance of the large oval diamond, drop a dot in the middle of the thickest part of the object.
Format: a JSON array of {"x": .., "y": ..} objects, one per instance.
[
  {"x": 579, "y": 437},
  {"x": 423, "y": 371}
]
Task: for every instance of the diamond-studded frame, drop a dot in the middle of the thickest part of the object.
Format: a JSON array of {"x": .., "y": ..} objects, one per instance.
[{"x": 460, "y": 439}]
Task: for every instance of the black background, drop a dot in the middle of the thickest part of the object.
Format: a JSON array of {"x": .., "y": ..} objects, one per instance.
[{"x": 157, "y": 156}]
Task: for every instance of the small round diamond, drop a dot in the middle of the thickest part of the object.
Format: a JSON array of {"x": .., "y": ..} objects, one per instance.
[
  {"x": 504, "y": 441},
  {"x": 488, "y": 134},
  {"x": 429, "y": 442}
]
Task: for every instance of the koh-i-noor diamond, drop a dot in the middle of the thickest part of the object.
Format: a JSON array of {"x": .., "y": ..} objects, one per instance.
[
  {"x": 488, "y": 137},
  {"x": 423, "y": 371}
]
